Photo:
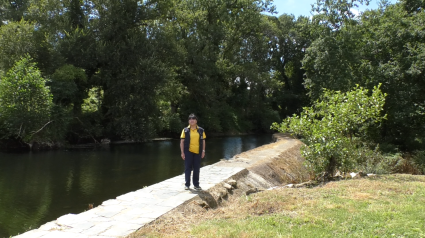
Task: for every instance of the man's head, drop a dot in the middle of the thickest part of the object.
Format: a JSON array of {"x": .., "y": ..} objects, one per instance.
[{"x": 193, "y": 120}]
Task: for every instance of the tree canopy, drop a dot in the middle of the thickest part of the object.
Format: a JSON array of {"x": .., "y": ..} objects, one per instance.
[{"x": 135, "y": 69}]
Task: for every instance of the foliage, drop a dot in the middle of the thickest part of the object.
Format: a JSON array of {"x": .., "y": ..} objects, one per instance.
[
  {"x": 208, "y": 57},
  {"x": 335, "y": 127},
  {"x": 69, "y": 86},
  {"x": 16, "y": 40},
  {"x": 380, "y": 46},
  {"x": 237, "y": 68},
  {"x": 418, "y": 159},
  {"x": 25, "y": 101},
  {"x": 93, "y": 102}
]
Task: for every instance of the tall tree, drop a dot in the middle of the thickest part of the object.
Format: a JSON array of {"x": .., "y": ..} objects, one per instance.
[{"x": 25, "y": 101}]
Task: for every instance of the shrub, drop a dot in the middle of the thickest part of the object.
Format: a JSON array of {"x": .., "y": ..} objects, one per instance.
[
  {"x": 336, "y": 127},
  {"x": 25, "y": 101}
]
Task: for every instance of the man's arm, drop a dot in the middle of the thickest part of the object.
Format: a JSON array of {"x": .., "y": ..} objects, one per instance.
[
  {"x": 203, "y": 149},
  {"x": 182, "y": 148}
]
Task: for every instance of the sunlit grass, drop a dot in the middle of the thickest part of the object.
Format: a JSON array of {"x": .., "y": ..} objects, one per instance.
[{"x": 387, "y": 206}]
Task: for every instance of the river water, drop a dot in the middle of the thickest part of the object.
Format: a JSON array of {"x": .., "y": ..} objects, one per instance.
[{"x": 39, "y": 187}]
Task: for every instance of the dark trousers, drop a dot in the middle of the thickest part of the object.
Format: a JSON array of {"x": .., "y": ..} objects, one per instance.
[{"x": 192, "y": 161}]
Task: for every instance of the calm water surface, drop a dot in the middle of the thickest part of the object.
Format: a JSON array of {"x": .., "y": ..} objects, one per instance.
[{"x": 36, "y": 188}]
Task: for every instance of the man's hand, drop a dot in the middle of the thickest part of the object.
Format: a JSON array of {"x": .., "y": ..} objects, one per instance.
[
  {"x": 203, "y": 154},
  {"x": 183, "y": 156}
]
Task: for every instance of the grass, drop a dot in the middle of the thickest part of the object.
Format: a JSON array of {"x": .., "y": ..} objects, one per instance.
[{"x": 384, "y": 206}]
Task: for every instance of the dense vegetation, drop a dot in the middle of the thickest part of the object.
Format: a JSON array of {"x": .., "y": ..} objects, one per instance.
[{"x": 81, "y": 71}]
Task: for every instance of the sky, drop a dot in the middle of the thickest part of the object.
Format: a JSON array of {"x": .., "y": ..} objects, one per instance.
[{"x": 303, "y": 7}]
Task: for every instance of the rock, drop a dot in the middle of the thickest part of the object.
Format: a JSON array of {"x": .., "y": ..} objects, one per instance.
[
  {"x": 251, "y": 191},
  {"x": 338, "y": 174},
  {"x": 324, "y": 176},
  {"x": 222, "y": 192},
  {"x": 305, "y": 184},
  {"x": 362, "y": 174},
  {"x": 371, "y": 175},
  {"x": 203, "y": 204},
  {"x": 358, "y": 175},
  {"x": 289, "y": 185},
  {"x": 232, "y": 182},
  {"x": 227, "y": 186},
  {"x": 273, "y": 188}
]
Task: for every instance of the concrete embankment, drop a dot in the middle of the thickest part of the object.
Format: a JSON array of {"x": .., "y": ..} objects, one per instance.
[{"x": 252, "y": 171}]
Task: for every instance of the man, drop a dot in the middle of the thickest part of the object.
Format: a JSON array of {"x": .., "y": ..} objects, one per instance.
[{"x": 192, "y": 146}]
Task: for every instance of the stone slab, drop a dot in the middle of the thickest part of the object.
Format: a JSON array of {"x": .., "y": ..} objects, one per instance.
[
  {"x": 120, "y": 229},
  {"x": 32, "y": 234},
  {"x": 64, "y": 234},
  {"x": 99, "y": 228}
]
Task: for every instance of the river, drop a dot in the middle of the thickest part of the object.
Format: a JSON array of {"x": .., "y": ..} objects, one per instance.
[{"x": 39, "y": 187}]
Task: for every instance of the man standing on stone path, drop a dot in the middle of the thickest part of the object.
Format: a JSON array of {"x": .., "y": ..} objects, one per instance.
[{"x": 192, "y": 146}]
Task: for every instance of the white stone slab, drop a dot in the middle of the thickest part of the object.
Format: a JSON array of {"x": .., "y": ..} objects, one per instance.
[
  {"x": 63, "y": 234},
  {"x": 110, "y": 211},
  {"x": 141, "y": 221},
  {"x": 50, "y": 226},
  {"x": 98, "y": 228},
  {"x": 83, "y": 225},
  {"x": 143, "y": 194},
  {"x": 120, "y": 229},
  {"x": 149, "y": 201},
  {"x": 153, "y": 214},
  {"x": 101, "y": 237},
  {"x": 32, "y": 234},
  {"x": 128, "y": 214},
  {"x": 172, "y": 202},
  {"x": 87, "y": 215},
  {"x": 67, "y": 220},
  {"x": 111, "y": 202},
  {"x": 137, "y": 205},
  {"x": 127, "y": 197}
]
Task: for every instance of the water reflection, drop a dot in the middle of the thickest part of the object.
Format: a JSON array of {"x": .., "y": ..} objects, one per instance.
[{"x": 39, "y": 187}]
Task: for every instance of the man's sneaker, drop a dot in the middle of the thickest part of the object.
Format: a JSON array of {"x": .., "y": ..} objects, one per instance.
[
  {"x": 198, "y": 188},
  {"x": 186, "y": 188}
]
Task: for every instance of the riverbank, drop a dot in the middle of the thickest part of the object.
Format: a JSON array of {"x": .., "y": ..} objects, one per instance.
[
  {"x": 18, "y": 146},
  {"x": 382, "y": 206}
]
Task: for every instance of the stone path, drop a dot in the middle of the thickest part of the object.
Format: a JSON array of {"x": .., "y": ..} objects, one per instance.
[{"x": 129, "y": 212}]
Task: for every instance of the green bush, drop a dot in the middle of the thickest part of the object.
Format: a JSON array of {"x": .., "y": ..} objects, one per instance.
[
  {"x": 25, "y": 102},
  {"x": 16, "y": 40},
  {"x": 336, "y": 128},
  {"x": 373, "y": 161},
  {"x": 69, "y": 87},
  {"x": 419, "y": 160}
]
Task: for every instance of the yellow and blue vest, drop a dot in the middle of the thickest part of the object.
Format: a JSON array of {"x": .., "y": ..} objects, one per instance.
[{"x": 193, "y": 139}]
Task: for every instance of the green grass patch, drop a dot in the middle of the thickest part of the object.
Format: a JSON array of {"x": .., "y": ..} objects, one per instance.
[{"x": 386, "y": 206}]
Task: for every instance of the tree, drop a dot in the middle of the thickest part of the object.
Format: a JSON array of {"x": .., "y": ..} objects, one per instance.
[
  {"x": 69, "y": 86},
  {"x": 16, "y": 40},
  {"x": 288, "y": 40},
  {"x": 11, "y": 11},
  {"x": 380, "y": 46},
  {"x": 336, "y": 127},
  {"x": 25, "y": 101}
]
